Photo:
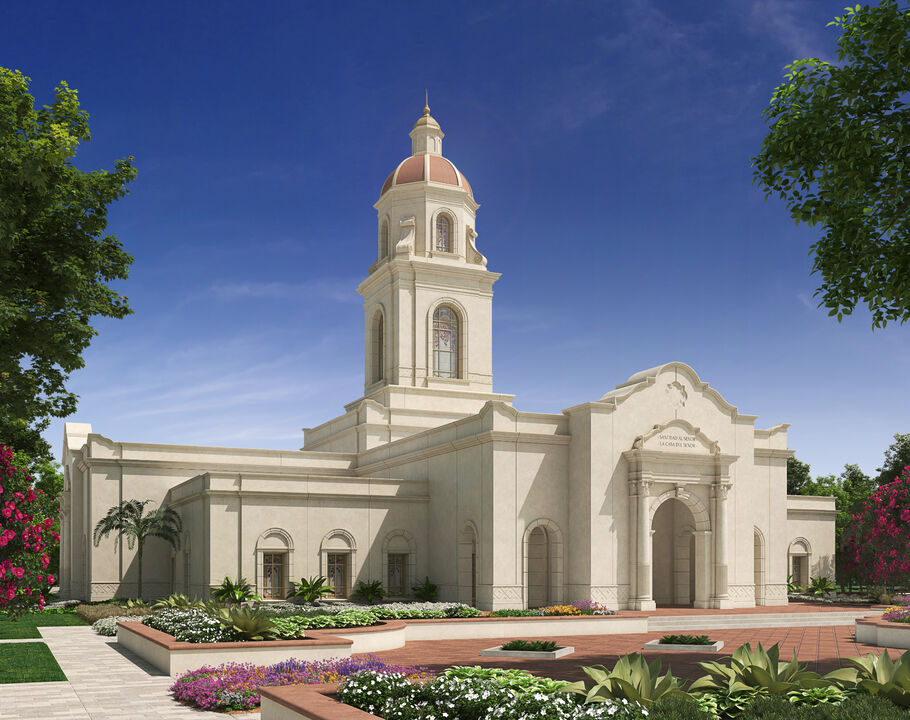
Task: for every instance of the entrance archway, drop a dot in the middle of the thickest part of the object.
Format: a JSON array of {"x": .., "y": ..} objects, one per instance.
[
  {"x": 673, "y": 554},
  {"x": 538, "y": 568}
]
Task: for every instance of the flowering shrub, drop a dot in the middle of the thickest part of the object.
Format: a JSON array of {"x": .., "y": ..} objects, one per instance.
[
  {"x": 393, "y": 697},
  {"x": 190, "y": 626},
  {"x": 897, "y": 614},
  {"x": 108, "y": 626},
  {"x": 579, "y": 607},
  {"x": 233, "y": 686},
  {"x": 901, "y": 600},
  {"x": 876, "y": 543},
  {"x": 26, "y": 537}
]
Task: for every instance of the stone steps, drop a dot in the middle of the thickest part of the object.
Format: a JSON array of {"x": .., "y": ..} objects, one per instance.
[{"x": 710, "y": 622}]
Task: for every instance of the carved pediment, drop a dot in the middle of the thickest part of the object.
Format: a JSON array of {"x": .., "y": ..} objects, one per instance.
[{"x": 677, "y": 436}]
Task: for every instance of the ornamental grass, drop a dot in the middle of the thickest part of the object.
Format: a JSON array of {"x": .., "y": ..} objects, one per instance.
[{"x": 234, "y": 686}]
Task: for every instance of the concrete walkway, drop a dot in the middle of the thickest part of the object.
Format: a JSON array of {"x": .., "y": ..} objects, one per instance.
[{"x": 105, "y": 682}]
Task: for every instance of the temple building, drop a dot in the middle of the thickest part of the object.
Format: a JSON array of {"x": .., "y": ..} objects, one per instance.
[{"x": 659, "y": 492}]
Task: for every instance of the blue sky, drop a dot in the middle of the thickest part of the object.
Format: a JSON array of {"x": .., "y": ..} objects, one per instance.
[{"x": 609, "y": 145}]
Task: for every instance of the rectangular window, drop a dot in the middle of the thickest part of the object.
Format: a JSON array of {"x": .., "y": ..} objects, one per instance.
[
  {"x": 337, "y": 573},
  {"x": 274, "y": 577},
  {"x": 398, "y": 571}
]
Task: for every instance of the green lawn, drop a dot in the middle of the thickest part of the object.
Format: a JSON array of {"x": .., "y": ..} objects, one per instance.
[
  {"x": 26, "y": 626},
  {"x": 28, "y": 662}
]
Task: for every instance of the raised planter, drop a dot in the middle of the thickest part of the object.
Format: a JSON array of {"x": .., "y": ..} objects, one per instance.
[
  {"x": 875, "y": 631},
  {"x": 173, "y": 657},
  {"x": 307, "y": 702},
  {"x": 673, "y": 647},
  {"x": 509, "y": 627},
  {"x": 533, "y": 655}
]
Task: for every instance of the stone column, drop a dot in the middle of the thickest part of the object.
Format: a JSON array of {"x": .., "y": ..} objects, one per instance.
[
  {"x": 643, "y": 601},
  {"x": 721, "y": 597}
]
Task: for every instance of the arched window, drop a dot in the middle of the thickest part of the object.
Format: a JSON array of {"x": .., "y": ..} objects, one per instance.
[
  {"x": 384, "y": 240},
  {"x": 378, "y": 349},
  {"x": 445, "y": 342},
  {"x": 443, "y": 234}
]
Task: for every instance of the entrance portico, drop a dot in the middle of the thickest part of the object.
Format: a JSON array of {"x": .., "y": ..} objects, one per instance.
[{"x": 677, "y": 463}]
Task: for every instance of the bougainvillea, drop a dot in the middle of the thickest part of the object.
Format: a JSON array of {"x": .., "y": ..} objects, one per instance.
[
  {"x": 876, "y": 543},
  {"x": 26, "y": 536}
]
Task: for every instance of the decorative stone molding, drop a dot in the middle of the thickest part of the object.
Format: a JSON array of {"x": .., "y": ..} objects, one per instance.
[
  {"x": 776, "y": 592},
  {"x": 474, "y": 256},
  {"x": 507, "y": 593},
  {"x": 721, "y": 490},
  {"x": 691, "y": 500},
  {"x": 741, "y": 592},
  {"x": 606, "y": 595},
  {"x": 408, "y": 229}
]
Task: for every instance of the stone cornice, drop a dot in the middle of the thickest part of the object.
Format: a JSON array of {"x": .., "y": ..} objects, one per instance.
[
  {"x": 482, "y": 438},
  {"x": 300, "y": 495},
  {"x": 203, "y": 465},
  {"x": 775, "y": 453}
]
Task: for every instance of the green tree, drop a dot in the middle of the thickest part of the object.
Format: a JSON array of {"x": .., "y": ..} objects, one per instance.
[
  {"x": 838, "y": 153},
  {"x": 55, "y": 259},
  {"x": 128, "y": 518},
  {"x": 897, "y": 457},
  {"x": 798, "y": 474}
]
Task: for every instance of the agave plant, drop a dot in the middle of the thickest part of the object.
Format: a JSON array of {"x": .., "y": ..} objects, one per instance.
[
  {"x": 311, "y": 589},
  {"x": 249, "y": 623},
  {"x": 234, "y": 592},
  {"x": 878, "y": 676},
  {"x": 759, "y": 668},
  {"x": 177, "y": 601},
  {"x": 632, "y": 678},
  {"x": 369, "y": 592}
]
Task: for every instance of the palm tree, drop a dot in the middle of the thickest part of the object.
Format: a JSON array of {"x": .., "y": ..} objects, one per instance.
[{"x": 128, "y": 519}]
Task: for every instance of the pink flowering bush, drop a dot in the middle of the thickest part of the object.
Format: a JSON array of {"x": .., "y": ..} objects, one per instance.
[
  {"x": 875, "y": 545},
  {"x": 26, "y": 537}
]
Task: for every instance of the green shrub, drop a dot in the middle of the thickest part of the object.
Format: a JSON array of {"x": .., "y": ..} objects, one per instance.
[
  {"x": 759, "y": 668},
  {"x": 861, "y": 707},
  {"x": 426, "y": 591},
  {"x": 878, "y": 676},
  {"x": 463, "y": 611},
  {"x": 678, "y": 708},
  {"x": 234, "y": 592},
  {"x": 178, "y": 601},
  {"x": 369, "y": 592},
  {"x": 248, "y": 623},
  {"x": 515, "y": 613},
  {"x": 632, "y": 679},
  {"x": 290, "y": 628},
  {"x": 531, "y": 645},
  {"x": 311, "y": 589},
  {"x": 685, "y": 640},
  {"x": 820, "y": 586},
  {"x": 518, "y": 681}
]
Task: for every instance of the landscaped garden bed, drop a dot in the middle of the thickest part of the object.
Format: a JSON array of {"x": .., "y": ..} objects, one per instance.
[
  {"x": 533, "y": 649},
  {"x": 751, "y": 685},
  {"x": 685, "y": 643},
  {"x": 891, "y": 629}
]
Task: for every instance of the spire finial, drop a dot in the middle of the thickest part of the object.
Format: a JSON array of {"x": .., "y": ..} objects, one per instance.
[{"x": 426, "y": 105}]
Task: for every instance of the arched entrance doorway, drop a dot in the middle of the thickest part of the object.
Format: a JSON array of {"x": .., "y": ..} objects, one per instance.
[
  {"x": 467, "y": 566},
  {"x": 673, "y": 554},
  {"x": 538, "y": 568}
]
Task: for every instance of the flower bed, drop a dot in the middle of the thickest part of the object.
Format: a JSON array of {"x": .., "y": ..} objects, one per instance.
[
  {"x": 172, "y": 656},
  {"x": 891, "y": 629},
  {"x": 579, "y": 607},
  {"x": 235, "y": 686}
]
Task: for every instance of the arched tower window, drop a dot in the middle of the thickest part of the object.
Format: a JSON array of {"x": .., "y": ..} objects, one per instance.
[
  {"x": 443, "y": 234},
  {"x": 378, "y": 347},
  {"x": 445, "y": 342},
  {"x": 384, "y": 240}
]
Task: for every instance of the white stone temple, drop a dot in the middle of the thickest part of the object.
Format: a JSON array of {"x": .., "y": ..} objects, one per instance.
[{"x": 659, "y": 492}]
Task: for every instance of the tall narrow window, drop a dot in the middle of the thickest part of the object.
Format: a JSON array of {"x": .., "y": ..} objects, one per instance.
[
  {"x": 398, "y": 571},
  {"x": 274, "y": 576},
  {"x": 445, "y": 343},
  {"x": 384, "y": 240},
  {"x": 378, "y": 347},
  {"x": 443, "y": 236},
  {"x": 337, "y": 573}
]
